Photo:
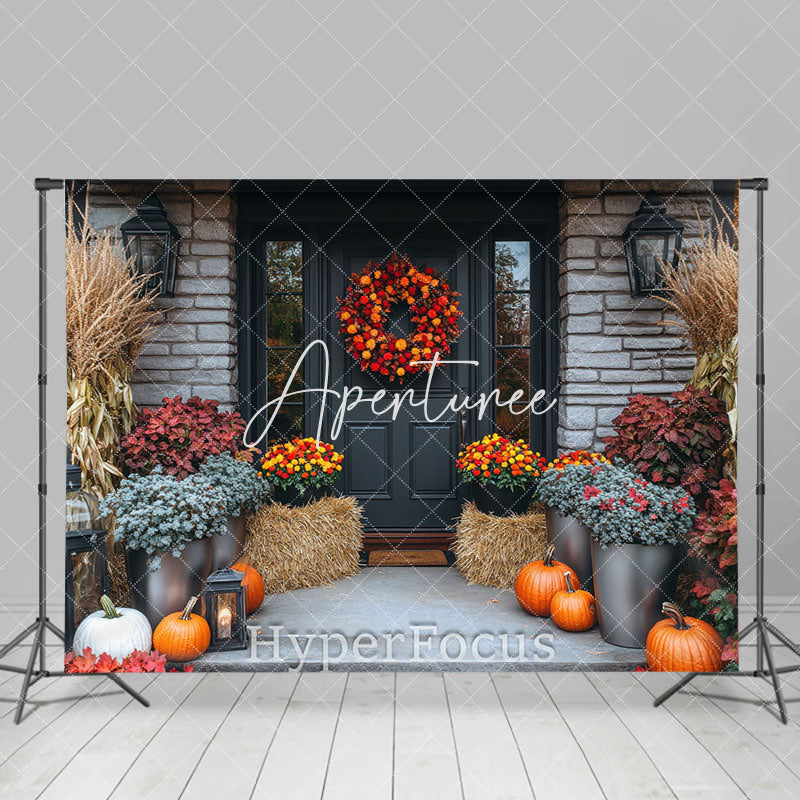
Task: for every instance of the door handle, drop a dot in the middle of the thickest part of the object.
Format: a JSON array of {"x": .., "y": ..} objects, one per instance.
[{"x": 462, "y": 413}]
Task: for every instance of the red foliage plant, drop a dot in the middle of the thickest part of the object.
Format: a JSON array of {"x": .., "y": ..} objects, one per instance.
[
  {"x": 714, "y": 537},
  {"x": 138, "y": 661},
  {"x": 676, "y": 443},
  {"x": 179, "y": 436}
]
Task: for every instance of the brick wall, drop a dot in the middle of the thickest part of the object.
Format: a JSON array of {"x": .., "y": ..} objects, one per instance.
[
  {"x": 193, "y": 350},
  {"x": 612, "y": 344}
]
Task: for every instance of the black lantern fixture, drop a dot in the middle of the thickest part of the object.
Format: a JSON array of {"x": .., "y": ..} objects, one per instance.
[
  {"x": 652, "y": 239},
  {"x": 151, "y": 240},
  {"x": 224, "y": 610},
  {"x": 86, "y": 559}
]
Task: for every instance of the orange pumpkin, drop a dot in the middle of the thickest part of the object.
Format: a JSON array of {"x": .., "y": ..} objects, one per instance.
[
  {"x": 182, "y": 636},
  {"x": 538, "y": 581},
  {"x": 683, "y": 644},
  {"x": 254, "y": 586},
  {"x": 573, "y": 609}
]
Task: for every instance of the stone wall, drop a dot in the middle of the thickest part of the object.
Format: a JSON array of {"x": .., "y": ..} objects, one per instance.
[
  {"x": 614, "y": 345},
  {"x": 193, "y": 350}
]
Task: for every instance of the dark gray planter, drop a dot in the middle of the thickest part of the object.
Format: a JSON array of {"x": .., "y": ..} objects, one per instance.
[
  {"x": 157, "y": 593},
  {"x": 572, "y": 540},
  {"x": 501, "y": 502},
  {"x": 228, "y": 546},
  {"x": 630, "y": 583}
]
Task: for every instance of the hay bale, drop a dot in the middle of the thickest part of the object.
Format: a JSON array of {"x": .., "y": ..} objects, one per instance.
[
  {"x": 301, "y": 547},
  {"x": 491, "y": 550}
]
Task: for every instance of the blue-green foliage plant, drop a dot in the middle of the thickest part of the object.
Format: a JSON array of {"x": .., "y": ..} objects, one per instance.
[
  {"x": 239, "y": 482},
  {"x": 618, "y": 504},
  {"x": 160, "y": 514},
  {"x": 561, "y": 489}
]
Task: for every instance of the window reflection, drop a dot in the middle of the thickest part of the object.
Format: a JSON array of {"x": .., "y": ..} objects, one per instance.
[
  {"x": 283, "y": 261},
  {"x": 512, "y": 337}
]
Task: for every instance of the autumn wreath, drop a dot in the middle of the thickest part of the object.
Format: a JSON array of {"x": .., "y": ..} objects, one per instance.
[{"x": 365, "y": 308}]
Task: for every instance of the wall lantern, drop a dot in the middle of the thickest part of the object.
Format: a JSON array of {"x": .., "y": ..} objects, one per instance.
[
  {"x": 651, "y": 239},
  {"x": 224, "y": 610},
  {"x": 86, "y": 564},
  {"x": 151, "y": 240}
]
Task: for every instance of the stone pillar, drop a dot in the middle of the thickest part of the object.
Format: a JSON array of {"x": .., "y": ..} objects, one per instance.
[
  {"x": 614, "y": 345},
  {"x": 193, "y": 349}
]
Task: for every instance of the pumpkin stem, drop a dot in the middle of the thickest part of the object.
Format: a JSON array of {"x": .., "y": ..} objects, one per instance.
[
  {"x": 548, "y": 556},
  {"x": 186, "y": 614},
  {"x": 108, "y": 607},
  {"x": 568, "y": 578},
  {"x": 674, "y": 613}
]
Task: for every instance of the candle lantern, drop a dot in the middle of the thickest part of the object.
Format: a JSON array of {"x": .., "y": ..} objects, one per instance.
[
  {"x": 86, "y": 559},
  {"x": 224, "y": 610}
]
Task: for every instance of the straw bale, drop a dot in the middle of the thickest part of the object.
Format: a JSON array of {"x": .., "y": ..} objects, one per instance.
[
  {"x": 305, "y": 546},
  {"x": 491, "y": 550}
]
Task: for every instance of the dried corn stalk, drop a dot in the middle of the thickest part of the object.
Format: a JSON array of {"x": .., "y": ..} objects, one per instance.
[
  {"x": 108, "y": 317},
  {"x": 703, "y": 291}
]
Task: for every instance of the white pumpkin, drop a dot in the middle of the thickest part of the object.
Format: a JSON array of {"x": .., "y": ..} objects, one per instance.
[{"x": 116, "y": 631}]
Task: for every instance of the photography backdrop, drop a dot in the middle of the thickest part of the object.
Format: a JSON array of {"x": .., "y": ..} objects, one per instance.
[{"x": 707, "y": 96}]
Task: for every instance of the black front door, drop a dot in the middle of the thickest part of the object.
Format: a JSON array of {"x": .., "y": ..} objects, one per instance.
[
  {"x": 403, "y": 469},
  {"x": 297, "y": 254}
]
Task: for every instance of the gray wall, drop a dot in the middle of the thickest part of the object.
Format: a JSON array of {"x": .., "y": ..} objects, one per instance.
[
  {"x": 423, "y": 92},
  {"x": 192, "y": 350},
  {"x": 614, "y": 345}
]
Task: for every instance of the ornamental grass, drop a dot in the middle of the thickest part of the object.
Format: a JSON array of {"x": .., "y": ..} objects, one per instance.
[
  {"x": 108, "y": 317},
  {"x": 304, "y": 546},
  {"x": 491, "y": 550}
]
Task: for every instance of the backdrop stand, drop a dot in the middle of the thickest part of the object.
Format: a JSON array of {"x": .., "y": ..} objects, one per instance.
[
  {"x": 760, "y": 625},
  {"x": 42, "y": 624}
]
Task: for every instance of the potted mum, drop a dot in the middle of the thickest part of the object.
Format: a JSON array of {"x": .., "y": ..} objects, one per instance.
[
  {"x": 244, "y": 490},
  {"x": 301, "y": 469},
  {"x": 504, "y": 473},
  {"x": 560, "y": 488},
  {"x": 636, "y": 529},
  {"x": 166, "y": 525}
]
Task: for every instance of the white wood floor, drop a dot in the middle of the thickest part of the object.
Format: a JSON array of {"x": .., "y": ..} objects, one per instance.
[{"x": 407, "y": 736}]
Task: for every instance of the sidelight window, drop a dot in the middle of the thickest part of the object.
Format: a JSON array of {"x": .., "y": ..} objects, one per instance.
[
  {"x": 512, "y": 331},
  {"x": 284, "y": 305}
]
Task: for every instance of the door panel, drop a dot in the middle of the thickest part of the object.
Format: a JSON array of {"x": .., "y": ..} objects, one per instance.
[{"x": 403, "y": 470}]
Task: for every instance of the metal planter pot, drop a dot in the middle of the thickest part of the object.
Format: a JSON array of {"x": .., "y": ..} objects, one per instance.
[
  {"x": 572, "y": 539},
  {"x": 229, "y": 546},
  {"x": 631, "y": 581},
  {"x": 167, "y": 589}
]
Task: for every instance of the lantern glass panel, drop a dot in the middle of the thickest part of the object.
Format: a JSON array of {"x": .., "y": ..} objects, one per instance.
[
  {"x": 223, "y": 615},
  {"x": 82, "y": 511},
  {"x": 87, "y": 584},
  {"x": 649, "y": 253},
  {"x": 148, "y": 251}
]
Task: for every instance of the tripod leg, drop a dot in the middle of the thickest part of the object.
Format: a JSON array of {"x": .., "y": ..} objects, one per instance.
[
  {"x": 783, "y": 638},
  {"x": 132, "y": 692},
  {"x": 17, "y": 639},
  {"x": 26, "y": 681},
  {"x": 747, "y": 629},
  {"x": 771, "y": 665},
  {"x": 676, "y": 688},
  {"x": 55, "y": 629}
]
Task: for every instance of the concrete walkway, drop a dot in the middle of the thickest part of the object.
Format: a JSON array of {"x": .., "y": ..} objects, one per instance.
[{"x": 412, "y": 619}]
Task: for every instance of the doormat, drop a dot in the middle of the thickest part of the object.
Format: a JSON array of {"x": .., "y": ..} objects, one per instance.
[{"x": 407, "y": 558}]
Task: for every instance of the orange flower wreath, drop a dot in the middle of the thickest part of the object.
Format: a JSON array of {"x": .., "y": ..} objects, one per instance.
[{"x": 366, "y": 305}]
